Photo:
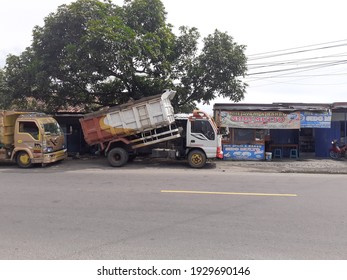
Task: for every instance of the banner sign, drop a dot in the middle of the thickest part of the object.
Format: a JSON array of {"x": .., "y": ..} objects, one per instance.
[
  {"x": 315, "y": 120},
  {"x": 243, "y": 152},
  {"x": 260, "y": 119}
]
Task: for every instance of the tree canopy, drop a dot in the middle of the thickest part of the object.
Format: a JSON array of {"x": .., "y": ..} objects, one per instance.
[{"x": 90, "y": 54}]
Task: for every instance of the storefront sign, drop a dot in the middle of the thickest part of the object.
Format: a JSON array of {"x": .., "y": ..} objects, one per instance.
[
  {"x": 260, "y": 119},
  {"x": 316, "y": 120},
  {"x": 243, "y": 152}
]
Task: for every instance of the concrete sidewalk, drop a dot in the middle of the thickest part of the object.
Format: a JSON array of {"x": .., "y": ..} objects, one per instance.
[{"x": 323, "y": 166}]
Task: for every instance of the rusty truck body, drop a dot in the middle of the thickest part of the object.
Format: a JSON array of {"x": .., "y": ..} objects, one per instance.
[{"x": 149, "y": 126}]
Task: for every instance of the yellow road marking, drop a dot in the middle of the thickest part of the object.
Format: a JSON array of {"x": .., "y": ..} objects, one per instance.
[{"x": 231, "y": 193}]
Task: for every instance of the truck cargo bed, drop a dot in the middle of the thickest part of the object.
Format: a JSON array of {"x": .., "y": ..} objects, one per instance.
[
  {"x": 137, "y": 120},
  {"x": 7, "y": 123}
]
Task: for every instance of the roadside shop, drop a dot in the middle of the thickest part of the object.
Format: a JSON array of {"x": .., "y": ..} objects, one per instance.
[{"x": 279, "y": 130}]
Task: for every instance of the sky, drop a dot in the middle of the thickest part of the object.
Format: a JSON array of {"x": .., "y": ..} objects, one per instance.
[{"x": 296, "y": 49}]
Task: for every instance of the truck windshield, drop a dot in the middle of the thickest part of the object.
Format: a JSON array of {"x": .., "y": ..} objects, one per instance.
[{"x": 52, "y": 128}]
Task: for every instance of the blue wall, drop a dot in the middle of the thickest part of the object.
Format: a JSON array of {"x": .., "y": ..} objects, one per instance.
[
  {"x": 323, "y": 138},
  {"x": 285, "y": 136}
]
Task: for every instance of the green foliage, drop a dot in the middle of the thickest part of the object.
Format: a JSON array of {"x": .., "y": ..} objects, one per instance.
[
  {"x": 91, "y": 54},
  {"x": 216, "y": 71},
  {"x": 4, "y": 96}
]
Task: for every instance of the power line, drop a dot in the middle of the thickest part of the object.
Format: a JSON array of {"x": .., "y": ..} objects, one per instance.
[
  {"x": 282, "y": 67},
  {"x": 296, "y": 61},
  {"x": 306, "y": 68},
  {"x": 276, "y": 66},
  {"x": 305, "y": 76},
  {"x": 297, "y": 48},
  {"x": 301, "y": 84}
]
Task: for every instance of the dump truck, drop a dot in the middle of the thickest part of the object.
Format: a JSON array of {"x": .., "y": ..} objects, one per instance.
[
  {"x": 149, "y": 127},
  {"x": 30, "y": 138}
]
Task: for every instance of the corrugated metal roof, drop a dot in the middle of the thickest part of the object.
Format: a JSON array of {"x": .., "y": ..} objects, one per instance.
[
  {"x": 284, "y": 107},
  {"x": 339, "y": 105}
]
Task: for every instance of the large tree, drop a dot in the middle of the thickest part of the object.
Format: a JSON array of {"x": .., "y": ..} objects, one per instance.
[
  {"x": 3, "y": 91},
  {"x": 91, "y": 54},
  {"x": 216, "y": 71}
]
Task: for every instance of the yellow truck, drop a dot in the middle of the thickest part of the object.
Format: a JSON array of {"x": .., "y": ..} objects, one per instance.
[{"x": 30, "y": 138}]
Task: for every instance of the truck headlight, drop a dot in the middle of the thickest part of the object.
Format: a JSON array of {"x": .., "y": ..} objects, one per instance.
[{"x": 48, "y": 149}]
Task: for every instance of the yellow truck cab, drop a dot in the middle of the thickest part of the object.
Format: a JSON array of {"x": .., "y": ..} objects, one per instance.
[{"x": 30, "y": 138}]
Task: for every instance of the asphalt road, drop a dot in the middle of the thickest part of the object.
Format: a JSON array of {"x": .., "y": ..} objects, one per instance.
[{"x": 87, "y": 210}]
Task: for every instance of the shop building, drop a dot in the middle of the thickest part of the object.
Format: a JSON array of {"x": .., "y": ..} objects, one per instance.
[{"x": 280, "y": 130}]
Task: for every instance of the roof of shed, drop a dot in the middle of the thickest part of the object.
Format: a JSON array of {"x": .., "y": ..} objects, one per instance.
[{"x": 288, "y": 107}]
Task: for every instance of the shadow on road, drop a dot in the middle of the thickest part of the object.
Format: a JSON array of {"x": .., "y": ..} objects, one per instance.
[{"x": 102, "y": 163}]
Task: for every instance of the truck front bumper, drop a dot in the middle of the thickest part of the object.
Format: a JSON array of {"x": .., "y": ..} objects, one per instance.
[{"x": 55, "y": 156}]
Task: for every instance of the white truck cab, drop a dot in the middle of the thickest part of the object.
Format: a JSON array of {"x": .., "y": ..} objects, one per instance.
[{"x": 202, "y": 139}]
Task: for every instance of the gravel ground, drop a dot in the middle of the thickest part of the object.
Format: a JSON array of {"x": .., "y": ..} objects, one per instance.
[
  {"x": 286, "y": 165},
  {"x": 325, "y": 166}
]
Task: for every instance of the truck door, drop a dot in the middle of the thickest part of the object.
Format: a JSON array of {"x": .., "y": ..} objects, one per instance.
[
  {"x": 202, "y": 135},
  {"x": 28, "y": 139}
]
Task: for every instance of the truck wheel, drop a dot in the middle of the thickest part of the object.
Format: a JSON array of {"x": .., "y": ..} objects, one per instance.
[
  {"x": 117, "y": 157},
  {"x": 196, "y": 159},
  {"x": 23, "y": 160}
]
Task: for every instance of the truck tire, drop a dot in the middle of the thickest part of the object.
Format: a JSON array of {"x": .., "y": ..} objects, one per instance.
[
  {"x": 23, "y": 160},
  {"x": 197, "y": 159},
  {"x": 117, "y": 157}
]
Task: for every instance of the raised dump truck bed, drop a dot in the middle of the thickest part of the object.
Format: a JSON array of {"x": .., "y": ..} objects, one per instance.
[{"x": 138, "y": 123}]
